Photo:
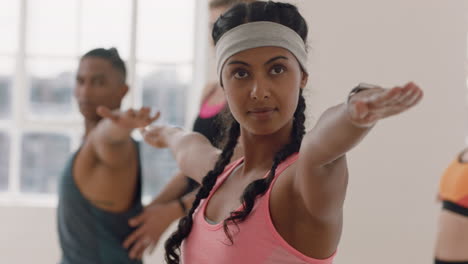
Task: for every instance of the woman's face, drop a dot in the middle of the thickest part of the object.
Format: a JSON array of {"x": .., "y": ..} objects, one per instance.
[{"x": 262, "y": 88}]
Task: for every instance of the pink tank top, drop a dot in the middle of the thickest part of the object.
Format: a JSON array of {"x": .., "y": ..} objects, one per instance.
[
  {"x": 255, "y": 241},
  {"x": 208, "y": 111}
]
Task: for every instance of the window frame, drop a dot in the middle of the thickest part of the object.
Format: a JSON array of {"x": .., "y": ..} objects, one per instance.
[{"x": 20, "y": 121}]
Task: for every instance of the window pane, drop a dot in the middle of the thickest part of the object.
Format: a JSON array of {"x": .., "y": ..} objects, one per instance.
[
  {"x": 9, "y": 25},
  {"x": 6, "y": 78},
  {"x": 164, "y": 88},
  {"x": 52, "y": 27},
  {"x": 158, "y": 166},
  {"x": 4, "y": 160},
  {"x": 40, "y": 171},
  {"x": 51, "y": 83},
  {"x": 165, "y": 30},
  {"x": 113, "y": 31}
]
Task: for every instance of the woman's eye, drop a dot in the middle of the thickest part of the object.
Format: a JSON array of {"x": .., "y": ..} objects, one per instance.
[
  {"x": 277, "y": 70},
  {"x": 241, "y": 74}
]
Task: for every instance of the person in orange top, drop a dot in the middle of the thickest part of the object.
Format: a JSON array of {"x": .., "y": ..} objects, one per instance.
[{"x": 452, "y": 237}]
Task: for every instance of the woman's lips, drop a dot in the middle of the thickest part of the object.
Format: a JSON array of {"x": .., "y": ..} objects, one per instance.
[{"x": 262, "y": 113}]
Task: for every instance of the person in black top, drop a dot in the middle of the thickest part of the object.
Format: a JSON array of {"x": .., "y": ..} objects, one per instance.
[{"x": 100, "y": 188}]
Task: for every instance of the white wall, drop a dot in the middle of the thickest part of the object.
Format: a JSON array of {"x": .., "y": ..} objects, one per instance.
[
  {"x": 27, "y": 235},
  {"x": 390, "y": 213},
  {"x": 390, "y": 208}
]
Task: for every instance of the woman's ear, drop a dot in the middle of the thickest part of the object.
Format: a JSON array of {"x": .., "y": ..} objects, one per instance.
[{"x": 304, "y": 79}]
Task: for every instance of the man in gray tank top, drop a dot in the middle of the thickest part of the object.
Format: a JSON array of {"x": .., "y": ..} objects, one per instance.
[{"x": 100, "y": 189}]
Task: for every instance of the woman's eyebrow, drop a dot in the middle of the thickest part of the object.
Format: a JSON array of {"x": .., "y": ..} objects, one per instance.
[
  {"x": 276, "y": 58},
  {"x": 239, "y": 62}
]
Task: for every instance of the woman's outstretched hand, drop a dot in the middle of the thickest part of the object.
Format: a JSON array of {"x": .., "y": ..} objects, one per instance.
[{"x": 367, "y": 107}]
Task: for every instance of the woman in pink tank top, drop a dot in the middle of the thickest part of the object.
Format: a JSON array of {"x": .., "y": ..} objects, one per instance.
[{"x": 283, "y": 201}]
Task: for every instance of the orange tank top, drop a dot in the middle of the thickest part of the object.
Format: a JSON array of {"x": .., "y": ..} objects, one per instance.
[{"x": 454, "y": 184}]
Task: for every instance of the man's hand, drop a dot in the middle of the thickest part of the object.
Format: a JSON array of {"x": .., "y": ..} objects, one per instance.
[
  {"x": 129, "y": 119},
  {"x": 151, "y": 223}
]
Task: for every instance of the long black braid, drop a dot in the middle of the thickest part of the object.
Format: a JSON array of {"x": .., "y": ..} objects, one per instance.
[{"x": 172, "y": 245}]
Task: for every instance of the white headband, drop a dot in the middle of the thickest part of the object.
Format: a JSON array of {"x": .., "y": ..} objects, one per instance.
[{"x": 259, "y": 34}]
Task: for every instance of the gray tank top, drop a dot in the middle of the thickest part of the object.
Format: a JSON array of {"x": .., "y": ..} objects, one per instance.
[{"x": 88, "y": 234}]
